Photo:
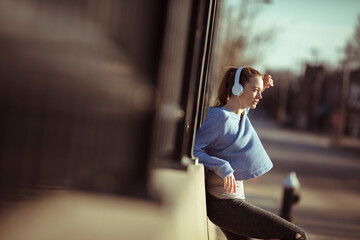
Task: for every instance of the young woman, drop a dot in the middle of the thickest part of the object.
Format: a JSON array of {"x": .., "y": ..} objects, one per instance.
[{"x": 231, "y": 152}]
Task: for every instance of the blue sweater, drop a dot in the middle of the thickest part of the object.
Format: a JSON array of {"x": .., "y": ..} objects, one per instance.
[{"x": 226, "y": 143}]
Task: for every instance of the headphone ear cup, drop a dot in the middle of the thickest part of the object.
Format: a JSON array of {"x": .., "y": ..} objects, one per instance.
[{"x": 237, "y": 89}]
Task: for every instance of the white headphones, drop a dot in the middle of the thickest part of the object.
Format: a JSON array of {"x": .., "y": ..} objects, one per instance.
[{"x": 237, "y": 89}]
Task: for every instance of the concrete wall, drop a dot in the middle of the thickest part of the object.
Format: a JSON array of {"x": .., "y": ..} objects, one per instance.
[
  {"x": 184, "y": 196},
  {"x": 78, "y": 215}
]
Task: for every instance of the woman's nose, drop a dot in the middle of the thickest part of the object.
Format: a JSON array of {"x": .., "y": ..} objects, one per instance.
[{"x": 259, "y": 96}]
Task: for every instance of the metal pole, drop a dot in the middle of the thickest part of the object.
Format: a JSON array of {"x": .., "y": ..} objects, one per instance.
[
  {"x": 290, "y": 197},
  {"x": 340, "y": 128}
]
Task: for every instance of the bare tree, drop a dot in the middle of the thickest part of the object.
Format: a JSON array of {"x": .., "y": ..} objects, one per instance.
[
  {"x": 243, "y": 44},
  {"x": 352, "y": 48}
]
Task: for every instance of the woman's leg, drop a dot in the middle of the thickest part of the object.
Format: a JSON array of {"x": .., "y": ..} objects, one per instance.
[
  {"x": 244, "y": 219},
  {"x": 233, "y": 236}
]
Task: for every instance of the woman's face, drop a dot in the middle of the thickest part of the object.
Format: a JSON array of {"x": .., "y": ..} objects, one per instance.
[{"x": 252, "y": 92}]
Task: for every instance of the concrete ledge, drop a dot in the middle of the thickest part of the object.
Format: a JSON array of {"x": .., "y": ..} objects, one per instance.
[
  {"x": 78, "y": 215},
  {"x": 184, "y": 200},
  {"x": 81, "y": 216}
]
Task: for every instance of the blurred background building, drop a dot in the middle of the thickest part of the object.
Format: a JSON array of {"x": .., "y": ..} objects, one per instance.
[{"x": 99, "y": 104}]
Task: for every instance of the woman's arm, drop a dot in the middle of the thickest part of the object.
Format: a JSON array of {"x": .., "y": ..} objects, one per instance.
[{"x": 206, "y": 139}]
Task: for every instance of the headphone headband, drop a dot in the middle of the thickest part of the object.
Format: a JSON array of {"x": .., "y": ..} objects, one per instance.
[{"x": 237, "y": 75}]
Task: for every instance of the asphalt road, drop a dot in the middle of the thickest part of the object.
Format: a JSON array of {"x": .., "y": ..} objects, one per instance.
[{"x": 329, "y": 207}]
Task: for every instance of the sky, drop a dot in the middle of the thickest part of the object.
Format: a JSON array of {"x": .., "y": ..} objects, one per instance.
[{"x": 302, "y": 25}]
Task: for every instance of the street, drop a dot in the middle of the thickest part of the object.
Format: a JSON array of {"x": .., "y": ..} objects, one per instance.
[{"x": 329, "y": 207}]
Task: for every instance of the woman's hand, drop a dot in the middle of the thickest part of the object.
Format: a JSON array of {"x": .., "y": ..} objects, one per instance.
[
  {"x": 268, "y": 82},
  {"x": 229, "y": 183}
]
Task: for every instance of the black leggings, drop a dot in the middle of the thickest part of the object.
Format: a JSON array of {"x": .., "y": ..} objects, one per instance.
[{"x": 240, "y": 220}]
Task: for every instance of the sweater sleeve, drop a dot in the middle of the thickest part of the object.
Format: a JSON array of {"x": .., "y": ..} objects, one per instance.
[{"x": 206, "y": 138}]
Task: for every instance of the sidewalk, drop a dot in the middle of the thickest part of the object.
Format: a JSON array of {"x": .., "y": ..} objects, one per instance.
[{"x": 330, "y": 193}]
